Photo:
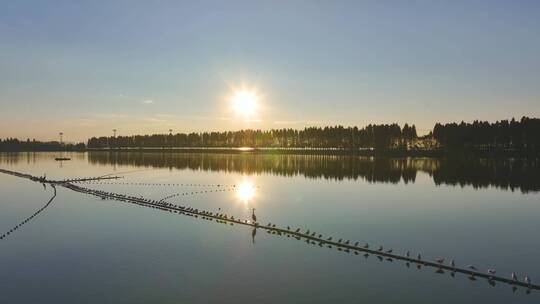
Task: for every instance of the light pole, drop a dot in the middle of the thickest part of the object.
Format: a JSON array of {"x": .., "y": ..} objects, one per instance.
[
  {"x": 61, "y": 133},
  {"x": 114, "y": 136}
]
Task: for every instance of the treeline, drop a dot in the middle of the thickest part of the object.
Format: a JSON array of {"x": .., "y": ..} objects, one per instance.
[
  {"x": 372, "y": 136},
  {"x": 15, "y": 145},
  {"x": 505, "y": 135},
  {"x": 518, "y": 135}
]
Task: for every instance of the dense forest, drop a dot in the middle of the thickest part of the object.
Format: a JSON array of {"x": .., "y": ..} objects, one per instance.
[
  {"x": 372, "y": 136},
  {"x": 505, "y": 135},
  {"x": 13, "y": 144},
  {"x": 521, "y": 134}
]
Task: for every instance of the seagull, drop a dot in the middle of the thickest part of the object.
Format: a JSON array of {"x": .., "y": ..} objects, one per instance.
[
  {"x": 440, "y": 260},
  {"x": 471, "y": 267},
  {"x": 366, "y": 246},
  {"x": 407, "y": 254},
  {"x": 389, "y": 251},
  {"x": 452, "y": 263},
  {"x": 514, "y": 277},
  {"x": 419, "y": 257},
  {"x": 329, "y": 239},
  {"x": 491, "y": 271},
  {"x": 527, "y": 280},
  {"x": 380, "y": 248},
  {"x": 356, "y": 244}
]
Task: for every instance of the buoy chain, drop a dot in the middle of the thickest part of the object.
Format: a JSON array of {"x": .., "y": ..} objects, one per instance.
[
  {"x": 28, "y": 219},
  {"x": 156, "y": 184},
  {"x": 196, "y": 192}
]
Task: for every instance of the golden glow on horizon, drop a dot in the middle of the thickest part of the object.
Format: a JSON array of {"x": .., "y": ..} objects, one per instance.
[{"x": 245, "y": 103}]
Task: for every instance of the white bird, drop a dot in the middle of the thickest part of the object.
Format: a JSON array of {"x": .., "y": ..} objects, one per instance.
[
  {"x": 527, "y": 280},
  {"x": 514, "y": 277},
  {"x": 491, "y": 271}
]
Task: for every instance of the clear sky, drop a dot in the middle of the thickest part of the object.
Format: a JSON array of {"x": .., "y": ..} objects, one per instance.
[{"x": 86, "y": 67}]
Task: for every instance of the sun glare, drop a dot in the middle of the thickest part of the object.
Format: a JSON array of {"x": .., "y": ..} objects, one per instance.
[
  {"x": 245, "y": 102},
  {"x": 245, "y": 191}
]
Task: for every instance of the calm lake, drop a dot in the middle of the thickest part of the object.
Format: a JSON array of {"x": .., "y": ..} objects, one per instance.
[{"x": 82, "y": 249}]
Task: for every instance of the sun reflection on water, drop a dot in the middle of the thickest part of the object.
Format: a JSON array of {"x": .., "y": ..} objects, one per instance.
[{"x": 245, "y": 191}]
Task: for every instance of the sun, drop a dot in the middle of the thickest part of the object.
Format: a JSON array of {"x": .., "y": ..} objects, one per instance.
[{"x": 245, "y": 102}]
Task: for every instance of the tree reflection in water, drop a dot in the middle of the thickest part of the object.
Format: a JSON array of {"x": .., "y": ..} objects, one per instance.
[{"x": 521, "y": 174}]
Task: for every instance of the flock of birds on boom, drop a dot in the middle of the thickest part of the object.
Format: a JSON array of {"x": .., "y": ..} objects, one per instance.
[
  {"x": 309, "y": 236},
  {"x": 98, "y": 182}
]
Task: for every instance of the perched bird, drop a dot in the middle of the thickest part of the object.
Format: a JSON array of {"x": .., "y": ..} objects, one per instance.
[
  {"x": 491, "y": 271},
  {"x": 366, "y": 246},
  {"x": 419, "y": 257},
  {"x": 408, "y": 253},
  {"x": 389, "y": 250},
  {"x": 514, "y": 277},
  {"x": 452, "y": 263},
  {"x": 356, "y": 244},
  {"x": 471, "y": 267},
  {"x": 347, "y": 242},
  {"x": 380, "y": 248},
  {"x": 527, "y": 280},
  {"x": 329, "y": 239},
  {"x": 440, "y": 260}
]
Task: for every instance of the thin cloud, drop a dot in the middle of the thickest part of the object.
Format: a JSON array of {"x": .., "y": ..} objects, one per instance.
[
  {"x": 147, "y": 101},
  {"x": 164, "y": 115},
  {"x": 197, "y": 117},
  {"x": 296, "y": 122},
  {"x": 110, "y": 115}
]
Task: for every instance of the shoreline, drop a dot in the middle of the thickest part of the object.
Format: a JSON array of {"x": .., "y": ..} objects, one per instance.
[{"x": 369, "y": 152}]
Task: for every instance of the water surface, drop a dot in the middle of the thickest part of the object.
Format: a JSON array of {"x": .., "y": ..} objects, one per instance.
[{"x": 87, "y": 250}]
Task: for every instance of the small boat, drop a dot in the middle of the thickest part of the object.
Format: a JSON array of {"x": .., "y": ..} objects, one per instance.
[{"x": 62, "y": 158}]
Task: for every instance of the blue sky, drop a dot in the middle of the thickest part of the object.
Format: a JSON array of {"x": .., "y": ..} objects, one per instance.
[{"x": 86, "y": 67}]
